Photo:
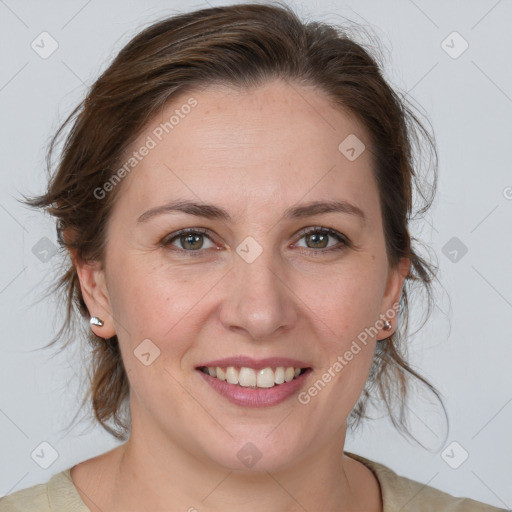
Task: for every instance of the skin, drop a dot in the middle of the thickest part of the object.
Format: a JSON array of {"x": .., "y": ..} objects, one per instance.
[{"x": 254, "y": 153}]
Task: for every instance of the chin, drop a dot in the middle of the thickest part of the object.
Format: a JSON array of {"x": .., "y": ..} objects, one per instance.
[{"x": 257, "y": 453}]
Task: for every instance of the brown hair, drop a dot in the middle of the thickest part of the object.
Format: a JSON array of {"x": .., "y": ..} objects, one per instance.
[{"x": 241, "y": 45}]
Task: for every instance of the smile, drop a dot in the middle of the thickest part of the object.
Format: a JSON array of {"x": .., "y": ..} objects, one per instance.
[{"x": 254, "y": 378}]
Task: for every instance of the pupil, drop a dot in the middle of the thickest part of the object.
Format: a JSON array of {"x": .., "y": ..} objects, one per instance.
[
  {"x": 193, "y": 239},
  {"x": 314, "y": 237}
]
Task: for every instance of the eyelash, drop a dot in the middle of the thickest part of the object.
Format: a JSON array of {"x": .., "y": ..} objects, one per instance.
[{"x": 345, "y": 242}]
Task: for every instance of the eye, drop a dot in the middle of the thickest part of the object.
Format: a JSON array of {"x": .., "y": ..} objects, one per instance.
[
  {"x": 189, "y": 240},
  {"x": 192, "y": 240},
  {"x": 318, "y": 238}
]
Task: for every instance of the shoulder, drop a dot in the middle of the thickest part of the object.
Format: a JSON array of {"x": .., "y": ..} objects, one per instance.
[
  {"x": 32, "y": 498},
  {"x": 406, "y": 495},
  {"x": 58, "y": 495}
]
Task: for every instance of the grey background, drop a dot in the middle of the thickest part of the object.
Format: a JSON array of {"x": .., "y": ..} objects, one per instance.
[{"x": 465, "y": 349}]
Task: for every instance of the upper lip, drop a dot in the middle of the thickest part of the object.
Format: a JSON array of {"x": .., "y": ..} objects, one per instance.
[{"x": 257, "y": 364}]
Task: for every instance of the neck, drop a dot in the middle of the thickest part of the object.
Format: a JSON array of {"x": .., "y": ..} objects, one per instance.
[{"x": 149, "y": 477}]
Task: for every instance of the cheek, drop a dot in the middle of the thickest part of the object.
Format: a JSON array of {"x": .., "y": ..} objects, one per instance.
[
  {"x": 167, "y": 306},
  {"x": 149, "y": 304},
  {"x": 344, "y": 303},
  {"x": 150, "y": 312},
  {"x": 344, "y": 310}
]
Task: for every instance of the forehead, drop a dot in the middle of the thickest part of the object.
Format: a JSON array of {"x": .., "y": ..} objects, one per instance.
[{"x": 277, "y": 142}]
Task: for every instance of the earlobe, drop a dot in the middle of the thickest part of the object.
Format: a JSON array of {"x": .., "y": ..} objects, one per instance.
[
  {"x": 95, "y": 295},
  {"x": 391, "y": 299}
]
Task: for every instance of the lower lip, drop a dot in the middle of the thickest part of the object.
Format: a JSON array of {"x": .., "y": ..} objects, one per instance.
[{"x": 255, "y": 397}]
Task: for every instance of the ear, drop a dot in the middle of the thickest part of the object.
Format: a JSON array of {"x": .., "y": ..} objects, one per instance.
[
  {"x": 391, "y": 298},
  {"x": 95, "y": 294}
]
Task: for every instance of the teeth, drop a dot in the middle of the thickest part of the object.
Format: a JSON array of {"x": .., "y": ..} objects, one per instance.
[
  {"x": 266, "y": 378},
  {"x": 248, "y": 377},
  {"x": 232, "y": 375},
  {"x": 279, "y": 375}
]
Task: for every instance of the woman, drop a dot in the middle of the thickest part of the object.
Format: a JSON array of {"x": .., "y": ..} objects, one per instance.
[{"x": 234, "y": 196}]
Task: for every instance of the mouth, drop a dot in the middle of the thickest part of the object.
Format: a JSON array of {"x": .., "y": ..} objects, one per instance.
[{"x": 256, "y": 378}]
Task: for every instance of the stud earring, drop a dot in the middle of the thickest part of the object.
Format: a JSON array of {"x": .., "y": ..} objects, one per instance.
[
  {"x": 387, "y": 325},
  {"x": 96, "y": 321}
]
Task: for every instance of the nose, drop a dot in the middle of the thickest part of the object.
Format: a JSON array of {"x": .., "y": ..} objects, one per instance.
[{"x": 258, "y": 302}]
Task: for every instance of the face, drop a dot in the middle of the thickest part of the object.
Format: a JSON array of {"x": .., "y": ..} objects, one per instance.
[{"x": 257, "y": 276}]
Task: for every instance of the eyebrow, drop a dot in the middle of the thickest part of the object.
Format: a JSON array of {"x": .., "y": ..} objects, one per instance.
[{"x": 211, "y": 211}]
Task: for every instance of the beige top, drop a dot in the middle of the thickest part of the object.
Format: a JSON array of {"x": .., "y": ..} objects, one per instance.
[{"x": 399, "y": 494}]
